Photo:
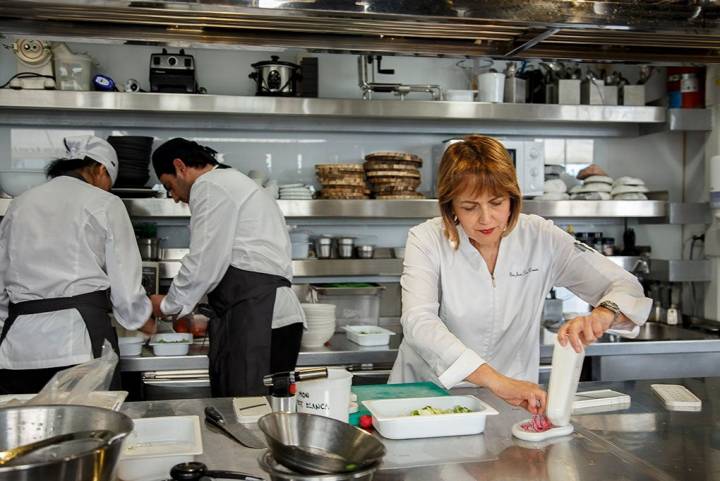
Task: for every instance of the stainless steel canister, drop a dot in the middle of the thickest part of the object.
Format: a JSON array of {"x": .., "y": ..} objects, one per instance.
[
  {"x": 345, "y": 247},
  {"x": 149, "y": 249},
  {"x": 323, "y": 247}
]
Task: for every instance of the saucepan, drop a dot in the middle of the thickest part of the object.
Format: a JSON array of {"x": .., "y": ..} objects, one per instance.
[{"x": 91, "y": 457}]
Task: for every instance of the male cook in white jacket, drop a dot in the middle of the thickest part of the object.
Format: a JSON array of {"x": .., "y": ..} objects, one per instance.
[
  {"x": 475, "y": 280},
  {"x": 68, "y": 256},
  {"x": 240, "y": 257}
]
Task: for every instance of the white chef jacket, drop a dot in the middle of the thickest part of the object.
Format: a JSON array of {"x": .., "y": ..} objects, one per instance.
[
  {"x": 233, "y": 223},
  {"x": 60, "y": 239},
  {"x": 456, "y": 316}
]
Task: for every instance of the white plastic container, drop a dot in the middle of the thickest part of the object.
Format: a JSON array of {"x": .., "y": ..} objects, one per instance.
[
  {"x": 368, "y": 335},
  {"x": 171, "y": 344},
  {"x": 392, "y": 418},
  {"x": 72, "y": 71},
  {"x": 491, "y": 87},
  {"x": 564, "y": 378},
  {"x": 328, "y": 397},
  {"x": 459, "y": 95},
  {"x": 130, "y": 345},
  {"x": 157, "y": 444}
]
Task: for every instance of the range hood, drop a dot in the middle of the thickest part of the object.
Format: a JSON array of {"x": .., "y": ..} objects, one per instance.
[{"x": 665, "y": 31}]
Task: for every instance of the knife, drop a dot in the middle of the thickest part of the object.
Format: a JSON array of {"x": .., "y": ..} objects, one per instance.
[{"x": 237, "y": 431}]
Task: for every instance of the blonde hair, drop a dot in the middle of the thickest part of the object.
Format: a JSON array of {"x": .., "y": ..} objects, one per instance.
[{"x": 483, "y": 165}]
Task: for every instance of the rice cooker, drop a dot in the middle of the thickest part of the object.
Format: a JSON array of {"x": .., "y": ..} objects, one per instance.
[{"x": 275, "y": 78}]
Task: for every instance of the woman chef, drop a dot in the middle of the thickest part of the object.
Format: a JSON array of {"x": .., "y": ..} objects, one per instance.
[
  {"x": 68, "y": 256},
  {"x": 475, "y": 279}
]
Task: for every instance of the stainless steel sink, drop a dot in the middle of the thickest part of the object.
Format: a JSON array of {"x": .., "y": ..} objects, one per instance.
[{"x": 654, "y": 331}]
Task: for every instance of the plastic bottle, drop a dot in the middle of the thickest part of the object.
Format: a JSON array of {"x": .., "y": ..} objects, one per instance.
[{"x": 564, "y": 378}]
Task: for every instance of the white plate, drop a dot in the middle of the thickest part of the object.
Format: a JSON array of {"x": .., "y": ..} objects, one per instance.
[
  {"x": 392, "y": 418},
  {"x": 520, "y": 433}
]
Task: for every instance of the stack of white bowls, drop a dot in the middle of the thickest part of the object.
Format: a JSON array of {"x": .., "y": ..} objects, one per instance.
[{"x": 320, "y": 324}]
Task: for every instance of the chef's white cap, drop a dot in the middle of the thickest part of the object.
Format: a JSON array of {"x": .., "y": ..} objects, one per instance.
[{"x": 97, "y": 149}]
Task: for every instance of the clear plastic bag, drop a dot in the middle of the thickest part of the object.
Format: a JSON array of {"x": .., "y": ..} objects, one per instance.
[{"x": 74, "y": 385}]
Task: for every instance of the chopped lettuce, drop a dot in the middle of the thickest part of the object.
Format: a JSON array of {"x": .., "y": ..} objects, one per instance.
[{"x": 429, "y": 411}]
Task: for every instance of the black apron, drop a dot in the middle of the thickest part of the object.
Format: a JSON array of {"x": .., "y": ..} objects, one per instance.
[
  {"x": 241, "y": 332},
  {"x": 93, "y": 308}
]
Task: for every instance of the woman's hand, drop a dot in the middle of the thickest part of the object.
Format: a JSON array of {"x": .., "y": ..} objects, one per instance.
[
  {"x": 585, "y": 330},
  {"x": 527, "y": 395}
]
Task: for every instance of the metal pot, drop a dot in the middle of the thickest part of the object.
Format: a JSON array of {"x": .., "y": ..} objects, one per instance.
[
  {"x": 67, "y": 461},
  {"x": 275, "y": 78},
  {"x": 149, "y": 249}
]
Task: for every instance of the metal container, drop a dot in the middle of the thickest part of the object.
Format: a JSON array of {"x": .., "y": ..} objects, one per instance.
[
  {"x": 366, "y": 251},
  {"x": 67, "y": 461},
  {"x": 278, "y": 472},
  {"x": 149, "y": 249},
  {"x": 312, "y": 444},
  {"x": 353, "y": 305},
  {"x": 275, "y": 78},
  {"x": 323, "y": 247},
  {"x": 345, "y": 247}
]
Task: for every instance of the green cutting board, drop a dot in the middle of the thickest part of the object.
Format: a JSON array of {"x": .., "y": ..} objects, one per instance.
[{"x": 371, "y": 392}]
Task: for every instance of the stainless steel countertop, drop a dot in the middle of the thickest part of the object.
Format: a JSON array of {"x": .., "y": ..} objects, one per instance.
[
  {"x": 341, "y": 351},
  {"x": 644, "y": 442}
]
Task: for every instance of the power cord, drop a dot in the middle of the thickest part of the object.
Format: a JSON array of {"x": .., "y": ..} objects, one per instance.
[
  {"x": 25, "y": 75},
  {"x": 693, "y": 240}
]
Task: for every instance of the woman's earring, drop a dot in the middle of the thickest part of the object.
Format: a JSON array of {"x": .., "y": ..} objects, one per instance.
[{"x": 455, "y": 219}]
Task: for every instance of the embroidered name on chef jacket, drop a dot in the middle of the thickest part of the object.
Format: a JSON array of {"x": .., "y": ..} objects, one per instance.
[{"x": 523, "y": 273}]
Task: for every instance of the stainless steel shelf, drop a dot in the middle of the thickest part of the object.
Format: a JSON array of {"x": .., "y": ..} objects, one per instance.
[
  {"x": 415, "y": 209},
  {"x": 311, "y": 107},
  {"x": 319, "y": 267},
  {"x": 684, "y": 120},
  {"x": 596, "y": 208}
]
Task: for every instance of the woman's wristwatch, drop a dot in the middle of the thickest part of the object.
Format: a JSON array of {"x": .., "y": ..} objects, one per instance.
[{"x": 612, "y": 307}]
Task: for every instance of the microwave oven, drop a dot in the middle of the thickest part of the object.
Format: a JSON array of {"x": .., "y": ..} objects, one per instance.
[{"x": 528, "y": 156}]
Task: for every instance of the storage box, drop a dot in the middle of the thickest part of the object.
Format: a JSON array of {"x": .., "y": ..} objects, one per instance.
[
  {"x": 355, "y": 304},
  {"x": 568, "y": 92},
  {"x": 368, "y": 335},
  {"x": 392, "y": 418},
  {"x": 634, "y": 95},
  {"x": 157, "y": 444},
  {"x": 595, "y": 92}
]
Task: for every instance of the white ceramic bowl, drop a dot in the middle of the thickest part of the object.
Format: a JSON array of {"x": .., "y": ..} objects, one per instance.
[
  {"x": 316, "y": 338},
  {"x": 15, "y": 182},
  {"x": 130, "y": 345},
  {"x": 171, "y": 344}
]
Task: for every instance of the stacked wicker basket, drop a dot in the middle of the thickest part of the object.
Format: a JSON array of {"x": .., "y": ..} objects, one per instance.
[
  {"x": 342, "y": 181},
  {"x": 393, "y": 175}
]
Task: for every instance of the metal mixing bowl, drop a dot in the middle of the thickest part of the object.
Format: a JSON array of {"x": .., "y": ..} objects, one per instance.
[
  {"x": 309, "y": 444},
  {"x": 85, "y": 460},
  {"x": 278, "y": 472}
]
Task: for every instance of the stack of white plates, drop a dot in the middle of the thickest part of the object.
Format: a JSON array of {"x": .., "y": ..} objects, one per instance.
[
  {"x": 320, "y": 324},
  {"x": 295, "y": 192}
]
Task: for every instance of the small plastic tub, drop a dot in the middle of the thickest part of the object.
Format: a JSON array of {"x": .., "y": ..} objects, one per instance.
[
  {"x": 392, "y": 418},
  {"x": 130, "y": 345},
  {"x": 157, "y": 444},
  {"x": 368, "y": 335},
  {"x": 171, "y": 344}
]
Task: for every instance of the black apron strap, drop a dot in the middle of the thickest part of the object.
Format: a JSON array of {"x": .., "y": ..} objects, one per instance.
[
  {"x": 241, "y": 331},
  {"x": 93, "y": 308}
]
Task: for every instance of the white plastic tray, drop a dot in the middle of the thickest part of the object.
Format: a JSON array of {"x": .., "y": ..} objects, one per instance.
[
  {"x": 157, "y": 444},
  {"x": 392, "y": 419},
  {"x": 368, "y": 335}
]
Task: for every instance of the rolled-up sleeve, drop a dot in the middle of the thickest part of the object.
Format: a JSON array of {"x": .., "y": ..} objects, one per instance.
[
  {"x": 423, "y": 330},
  {"x": 595, "y": 278},
  {"x": 213, "y": 223},
  {"x": 131, "y": 305}
]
